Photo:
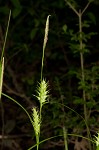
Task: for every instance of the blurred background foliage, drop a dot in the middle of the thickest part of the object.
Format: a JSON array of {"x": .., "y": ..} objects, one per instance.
[{"x": 61, "y": 68}]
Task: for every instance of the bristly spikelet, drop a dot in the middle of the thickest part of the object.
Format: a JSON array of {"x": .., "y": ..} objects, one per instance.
[
  {"x": 42, "y": 92},
  {"x": 36, "y": 121},
  {"x": 97, "y": 141}
]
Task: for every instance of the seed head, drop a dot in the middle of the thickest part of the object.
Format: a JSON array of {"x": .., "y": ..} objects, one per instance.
[
  {"x": 36, "y": 121},
  {"x": 42, "y": 92},
  {"x": 97, "y": 140}
]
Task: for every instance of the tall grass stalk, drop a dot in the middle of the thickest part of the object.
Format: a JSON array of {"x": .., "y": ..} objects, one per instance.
[
  {"x": 1, "y": 76},
  {"x": 1, "y": 103},
  {"x": 5, "y": 39},
  {"x": 42, "y": 92}
]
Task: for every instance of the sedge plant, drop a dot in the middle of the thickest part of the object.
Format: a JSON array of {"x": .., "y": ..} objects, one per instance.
[{"x": 42, "y": 92}]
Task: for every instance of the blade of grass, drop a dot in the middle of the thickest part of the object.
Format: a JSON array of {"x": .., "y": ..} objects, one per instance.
[
  {"x": 65, "y": 138},
  {"x": 1, "y": 104},
  {"x": 75, "y": 135},
  {"x": 76, "y": 113},
  {"x": 7, "y": 96},
  {"x": 5, "y": 39},
  {"x": 32, "y": 122},
  {"x": 1, "y": 77}
]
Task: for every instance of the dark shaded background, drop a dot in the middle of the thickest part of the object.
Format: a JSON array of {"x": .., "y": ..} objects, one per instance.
[{"x": 23, "y": 55}]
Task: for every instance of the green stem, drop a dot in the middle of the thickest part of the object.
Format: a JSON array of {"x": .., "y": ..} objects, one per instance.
[
  {"x": 5, "y": 39},
  {"x": 64, "y": 129},
  {"x": 1, "y": 103},
  {"x": 65, "y": 138},
  {"x": 42, "y": 64},
  {"x": 37, "y": 141},
  {"x": 97, "y": 148}
]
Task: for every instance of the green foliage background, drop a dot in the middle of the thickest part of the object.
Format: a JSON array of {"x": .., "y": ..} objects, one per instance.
[{"x": 61, "y": 67}]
